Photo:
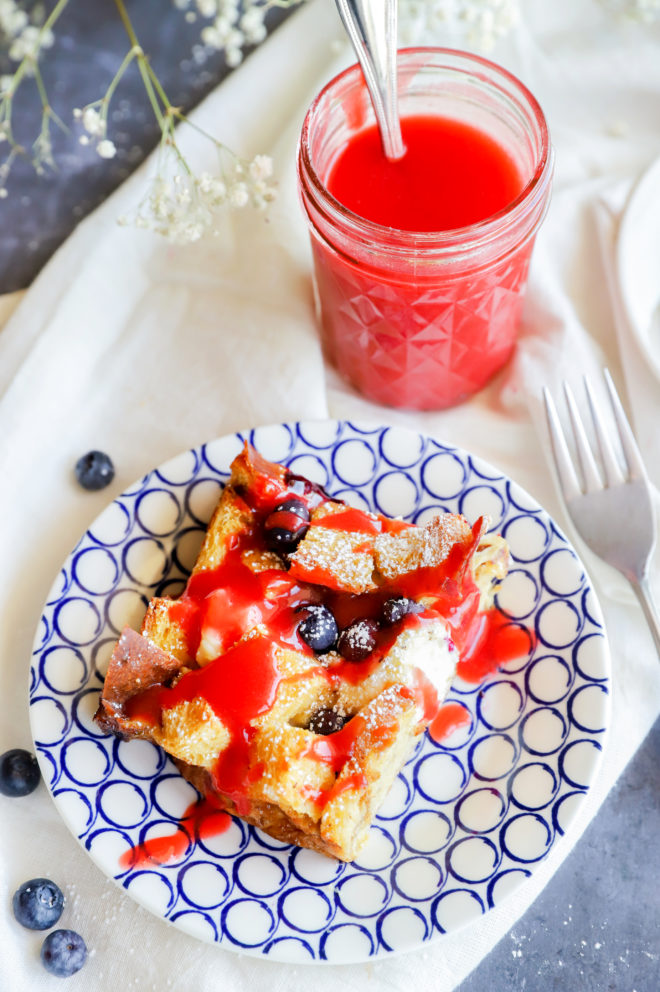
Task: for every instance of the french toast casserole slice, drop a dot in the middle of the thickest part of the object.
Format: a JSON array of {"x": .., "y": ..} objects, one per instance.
[{"x": 312, "y": 644}]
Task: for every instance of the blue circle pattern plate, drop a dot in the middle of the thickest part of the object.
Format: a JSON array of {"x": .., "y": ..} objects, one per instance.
[{"x": 467, "y": 819}]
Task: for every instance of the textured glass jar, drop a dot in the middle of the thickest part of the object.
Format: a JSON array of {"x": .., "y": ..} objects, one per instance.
[{"x": 423, "y": 320}]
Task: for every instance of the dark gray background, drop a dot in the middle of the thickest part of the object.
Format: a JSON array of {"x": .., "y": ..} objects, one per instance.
[{"x": 596, "y": 926}]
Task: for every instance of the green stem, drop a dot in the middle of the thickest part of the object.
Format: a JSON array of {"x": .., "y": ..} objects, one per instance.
[
  {"x": 126, "y": 21},
  {"x": 153, "y": 100},
  {"x": 149, "y": 78},
  {"x": 200, "y": 130},
  {"x": 48, "y": 112},
  {"x": 46, "y": 26},
  {"x": 134, "y": 52},
  {"x": 157, "y": 84}
]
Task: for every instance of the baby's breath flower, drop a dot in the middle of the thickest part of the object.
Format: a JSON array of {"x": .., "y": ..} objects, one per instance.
[
  {"x": 252, "y": 25},
  {"x": 43, "y": 149},
  {"x": 642, "y": 11},
  {"x": 207, "y": 8},
  {"x": 106, "y": 148},
  {"x": 233, "y": 56},
  {"x": 13, "y": 20},
  {"x": 238, "y": 195},
  {"x": 93, "y": 122},
  {"x": 480, "y": 23},
  {"x": 29, "y": 42},
  {"x": 261, "y": 167}
]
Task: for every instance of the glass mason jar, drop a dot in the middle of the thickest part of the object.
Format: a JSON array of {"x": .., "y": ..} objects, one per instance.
[{"x": 422, "y": 320}]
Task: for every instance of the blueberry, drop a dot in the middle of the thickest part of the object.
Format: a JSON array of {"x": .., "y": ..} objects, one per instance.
[
  {"x": 326, "y": 721},
  {"x": 294, "y": 506},
  {"x": 63, "y": 953},
  {"x": 286, "y": 526},
  {"x": 95, "y": 470},
  {"x": 397, "y": 608},
  {"x": 38, "y": 904},
  {"x": 19, "y": 772},
  {"x": 358, "y": 641},
  {"x": 318, "y": 629}
]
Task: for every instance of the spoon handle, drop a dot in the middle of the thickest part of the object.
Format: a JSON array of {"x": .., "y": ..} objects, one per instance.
[{"x": 371, "y": 27}]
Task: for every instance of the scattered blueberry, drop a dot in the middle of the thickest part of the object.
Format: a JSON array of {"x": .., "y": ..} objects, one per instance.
[
  {"x": 358, "y": 641},
  {"x": 63, "y": 953},
  {"x": 326, "y": 721},
  {"x": 397, "y": 608},
  {"x": 38, "y": 904},
  {"x": 19, "y": 772},
  {"x": 286, "y": 526},
  {"x": 318, "y": 629},
  {"x": 95, "y": 470}
]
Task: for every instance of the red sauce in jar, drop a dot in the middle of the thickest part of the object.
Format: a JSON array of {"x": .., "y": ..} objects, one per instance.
[
  {"x": 406, "y": 329},
  {"x": 450, "y": 176}
]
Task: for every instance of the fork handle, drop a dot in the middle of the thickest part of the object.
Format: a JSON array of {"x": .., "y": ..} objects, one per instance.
[{"x": 645, "y": 597}]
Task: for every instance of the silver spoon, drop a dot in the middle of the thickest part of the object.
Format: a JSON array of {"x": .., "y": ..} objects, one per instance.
[{"x": 371, "y": 26}]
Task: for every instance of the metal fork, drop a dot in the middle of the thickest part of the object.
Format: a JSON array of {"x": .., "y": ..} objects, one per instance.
[{"x": 611, "y": 508}]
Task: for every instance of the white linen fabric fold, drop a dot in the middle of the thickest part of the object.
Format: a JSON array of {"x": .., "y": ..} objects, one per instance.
[{"x": 145, "y": 350}]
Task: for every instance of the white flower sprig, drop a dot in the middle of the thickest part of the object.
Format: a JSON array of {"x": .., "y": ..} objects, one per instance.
[
  {"x": 26, "y": 42},
  {"x": 184, "y": 207},
  {"x": 479, "y": 23},
  {"x": 640, "y": 11},
  {"x": 233, "y": 23},
  {"x": 95, "y": 126},
  {"x": 178, "y": 204}
]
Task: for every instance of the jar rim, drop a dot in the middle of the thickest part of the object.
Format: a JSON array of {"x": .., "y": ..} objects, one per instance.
[{"x": 471, "y": 235}]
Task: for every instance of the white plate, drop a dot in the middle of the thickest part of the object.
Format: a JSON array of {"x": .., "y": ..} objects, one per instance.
[
  {"x": 638, "y": 264},
  {"x": 466, "y": 821}
]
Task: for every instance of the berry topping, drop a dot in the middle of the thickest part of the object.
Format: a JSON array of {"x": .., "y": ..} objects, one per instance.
[
  {"x": 95, "y": 470},
  {"x": 38, "y": 904},
  {"x": 397, "y": 608},
  {"x": 19, "y": 772},
  {"x": 294, "y": 506},
  {"x": 63, "y": 953},
  {"x": 318, "y": 629},
  {"x": 301, "y": 486},
  {"x": 286, "y": 526},
  {"x": 326, "y": 721},
  {"x": 358, "y": 641}
]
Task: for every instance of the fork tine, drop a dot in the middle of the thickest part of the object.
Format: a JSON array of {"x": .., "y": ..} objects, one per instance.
[
  {"x": 568, "y": 479},
  {"x": 628, "y": 443},
  {"x": 611, "y": 468},
  {"x": 592, "y": 479}
]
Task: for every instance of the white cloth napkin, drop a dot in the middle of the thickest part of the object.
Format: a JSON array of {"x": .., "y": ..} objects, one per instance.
[{"x": 145, "y": 350}]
